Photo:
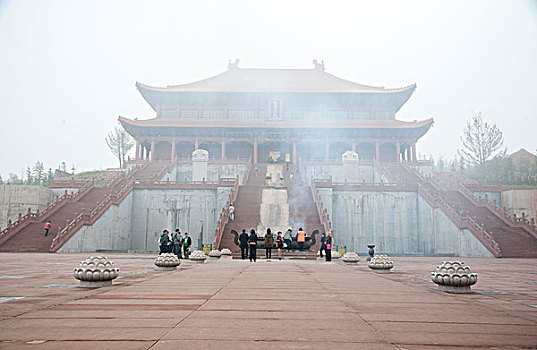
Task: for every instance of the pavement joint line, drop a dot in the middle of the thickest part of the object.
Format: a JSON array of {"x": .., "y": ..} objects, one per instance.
[{"x": 196, "y": 309}]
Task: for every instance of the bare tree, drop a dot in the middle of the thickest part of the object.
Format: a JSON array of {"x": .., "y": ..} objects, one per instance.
[
  {"x": 480, "y": 140},
  {"x": 120, "y": 143}
]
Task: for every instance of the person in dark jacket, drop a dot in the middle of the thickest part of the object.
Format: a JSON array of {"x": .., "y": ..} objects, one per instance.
[
  {"x": 187, "y": 242},
  {"x": 252, "y": 242},
  {"x": 323, "y": 245},
  {"x": 177, "y": 243},
  {"x": 328, "y": 242},
  {"x": 163, "y": 242},
  {"x": 243, "y": 244},
  {"x": 269, "y": 242}
]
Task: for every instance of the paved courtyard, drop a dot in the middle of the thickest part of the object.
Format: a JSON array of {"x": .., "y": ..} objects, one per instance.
[{"x": 266, "y": 305}]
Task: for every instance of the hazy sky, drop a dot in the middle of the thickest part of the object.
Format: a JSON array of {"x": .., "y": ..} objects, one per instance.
[{"x": 68, "y": 68}]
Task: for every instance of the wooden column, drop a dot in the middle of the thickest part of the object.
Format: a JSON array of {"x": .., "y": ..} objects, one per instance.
[
  {"x": 196, "y": 143},
  {"x": 173, "y": 149},
  {"x": 414, "y": 158},
  {"x": 255, "y": 151},
  {"x": 137, "y": 150},
  {"x": 152, "y": 154},
  {"x": 377, "y": 151},
  {"x": 223, "y": 148},
  {"x": 398, "y": 150}
]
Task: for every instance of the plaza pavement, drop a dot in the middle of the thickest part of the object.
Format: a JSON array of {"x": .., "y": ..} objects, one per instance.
[{"x": 264, "y": 305}]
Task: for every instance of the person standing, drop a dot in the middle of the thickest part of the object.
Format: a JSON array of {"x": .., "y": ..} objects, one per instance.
[
  {"x": 231, "y": 212},
  {"x": 279, "y": 244},
  {"x": 177, "y": 243},
  {"x": 287, "y": 238},
  {"x": 328, "y": 242},
  {"x": 187, "y": 242},
  {"x": 252, "y": 242},
  {"x": 269, "y": 242},
  {"x": 301, "y": 238},
  {"x": 243, "y": 244},
  {"x": 48, "y": 226},
  {"x": 163, "y": 242},
  {"x": 323, "y": 245}
]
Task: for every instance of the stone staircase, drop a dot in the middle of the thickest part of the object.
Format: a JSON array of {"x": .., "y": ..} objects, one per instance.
[
  {"x": 31, "y": 238},
  {"x": 513, "y": 242},
  {"x": 247, "y": 207}
]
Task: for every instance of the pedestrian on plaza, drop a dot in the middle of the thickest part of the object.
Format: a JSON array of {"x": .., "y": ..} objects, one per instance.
[
  {"x": 279, "y": 244},
  {"x": 177, "y": 243},
  {"x": 287, "y": 239},
  {"x": 163, "y": 242},
  {"x": 187, "y": 243},
  {"x": 328, "y": 242},
  {"x": 48, "y": 226},
  {"x": 269, "y": 242},
  {"x": 231, "y": 212},
  {"x": 243, "y": 244},
  {"x": 301, "y": 238},
  {"x": 323, "y": 245},
  {"x": 252, "y": 242}
]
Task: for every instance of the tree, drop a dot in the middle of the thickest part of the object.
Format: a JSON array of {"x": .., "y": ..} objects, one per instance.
[
  {"x": 38, "y": 173},
  {"x": 29, "y": 176},
  {"x": 480, "y": 141},
  {"x": 120, "y": 143}
]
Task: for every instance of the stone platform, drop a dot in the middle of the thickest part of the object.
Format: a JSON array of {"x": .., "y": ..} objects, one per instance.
[{"x": 235, "y": 304}]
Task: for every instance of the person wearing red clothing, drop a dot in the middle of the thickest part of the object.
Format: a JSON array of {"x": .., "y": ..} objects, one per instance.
[{"x": 47, "y": 227}]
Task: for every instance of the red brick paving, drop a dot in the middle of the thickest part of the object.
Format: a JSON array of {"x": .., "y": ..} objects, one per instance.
[{"x": 266, "y": 305}]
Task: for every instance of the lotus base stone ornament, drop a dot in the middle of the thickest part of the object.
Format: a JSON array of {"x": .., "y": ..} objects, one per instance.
[
  {"x": 350, "y": 258},
  {"x": 380, "y": 264},
  {"x": 96, "y": 271},
  {"x": 454, "y": 277},
  {"x": 167, "y": 262},
  {"x": 197, "y": 256}
]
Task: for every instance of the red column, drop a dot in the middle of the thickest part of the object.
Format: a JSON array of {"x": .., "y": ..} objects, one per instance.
[
  {"x": 414, "y": 158},
  {"x": 137, "y": 150},
  {"x": 223, "y": 148},
  {"x": 377, "y": 151},
  {"x": 294, "y": 152},
  {"x": 196, "y": 143},
  {"x": 152, "y": 154},
  {"x": 173, "y": 149},
  {"x": 255, "y": 151},
  {"x": 398, "y": 150}
]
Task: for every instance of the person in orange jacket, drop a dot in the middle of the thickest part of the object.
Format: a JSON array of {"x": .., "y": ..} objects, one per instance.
[{"x": 301, "y": 238}]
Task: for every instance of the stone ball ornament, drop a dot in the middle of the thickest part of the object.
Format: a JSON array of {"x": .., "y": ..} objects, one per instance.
[
  {"x": 197, "y": 256},
  {"x": 96, "y": 271},
  {"x": 336, "y": 254},
  {"x": 215, "y": 254},
  {"x": 167, "y": 262},
  {"x": 454, "y": 277},
  {"x": 350, "y": 258},
  {"x": 380, "y": 264},
  {"x": 226, "y": 253}
]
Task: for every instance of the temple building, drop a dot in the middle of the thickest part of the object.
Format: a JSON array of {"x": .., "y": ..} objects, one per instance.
[{"x": 284, "y": 114}]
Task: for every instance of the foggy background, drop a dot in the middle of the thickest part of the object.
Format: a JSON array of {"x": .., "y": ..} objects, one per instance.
[{"x": 68, "y": 68}]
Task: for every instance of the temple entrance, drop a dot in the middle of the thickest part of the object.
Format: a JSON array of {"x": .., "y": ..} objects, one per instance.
[
  {"x": 310, "y": 151},
  {"x": 239, "y": 149},
  {"x": 366, "y": 151},
  {"x": 184, "y": 149},
  {"x": 163, "y": 151},
  {"x": 274, "y": 152},
  {"x": 214, "y": 149},
  {"x": 337, "y": 149}
]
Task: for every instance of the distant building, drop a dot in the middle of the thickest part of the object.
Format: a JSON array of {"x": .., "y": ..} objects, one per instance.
[
  {"x": 305, "y": 114},
  {"x": 523, "y": 157}
]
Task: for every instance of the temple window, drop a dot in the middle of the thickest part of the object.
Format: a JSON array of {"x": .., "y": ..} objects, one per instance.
[
  {"x": 167, "y": 113},
  {"x": 241, "y": 114},
  {"x": 189, "y": 113},
  {"x": 383, "y": 115},
  {"x": 213, "y": 113},
  {"x": 360, "y": 115},
  {"x": 336, "y": 115}
]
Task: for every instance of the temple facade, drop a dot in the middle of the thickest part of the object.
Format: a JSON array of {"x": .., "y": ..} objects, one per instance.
[{"x": 276, "y": 115}]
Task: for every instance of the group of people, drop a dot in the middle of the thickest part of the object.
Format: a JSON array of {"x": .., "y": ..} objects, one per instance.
[
  {"x": 175, "y": 243},
  {"x": 248, "y": 243}
]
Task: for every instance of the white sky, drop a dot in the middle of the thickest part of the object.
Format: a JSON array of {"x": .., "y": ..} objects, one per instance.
[{"x": 68, "y": 68}]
